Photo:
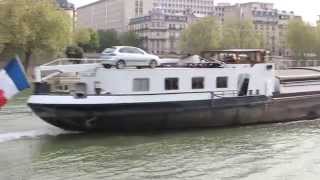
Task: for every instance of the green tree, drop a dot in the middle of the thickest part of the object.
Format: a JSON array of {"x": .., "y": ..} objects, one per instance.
[
  {"x": 88, "y": 39},
  {"x": 28, "y": 26},
  {"x": 1, "y": 48},
  {"x": 82, "y": 36},
  {"x": 201, "y": 35},
  {"x": 74, "y": 52},
  {"x": 301, "y": 38},
  {"x": 108, "y": 38},
  {"x": 94, "y": 42},
  {"x": 240, "y": 34},
  {"x": 317, "y": 40},
  {"x": 130, "y": 38}
]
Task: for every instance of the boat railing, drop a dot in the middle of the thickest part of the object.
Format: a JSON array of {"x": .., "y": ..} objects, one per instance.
[
  {"x": 70, "y": 90},
  {"x": 65, "y": 66},
  {"x": 163, "y": 63},
  {"x": 70, "y": 61}
]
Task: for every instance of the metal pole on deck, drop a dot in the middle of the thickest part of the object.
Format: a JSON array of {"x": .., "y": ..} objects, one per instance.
[{"x": 37, "y": 74}]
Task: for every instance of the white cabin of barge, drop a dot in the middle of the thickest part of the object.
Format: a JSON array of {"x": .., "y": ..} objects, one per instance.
[
  {"x": 228, "y": 80},
  {"x": 254, "y": 78}
]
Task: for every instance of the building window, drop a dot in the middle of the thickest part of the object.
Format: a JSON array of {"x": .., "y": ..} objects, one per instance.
[
  {"x": 222, "y": 82},
  {"x": 198, "y": 83},
  {"x": 171, "y": 83},
  {"x": 141, "y": 84}
]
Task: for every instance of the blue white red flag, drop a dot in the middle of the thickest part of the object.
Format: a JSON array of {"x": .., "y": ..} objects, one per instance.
[{"x": 13, "y": 79}]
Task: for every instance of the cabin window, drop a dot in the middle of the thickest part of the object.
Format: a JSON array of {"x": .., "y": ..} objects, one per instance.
[
  {"x": 222, "y": 82},
  {"x": 172, "y": 84},
  {"x": 141, "y": 84},
  {"x": 197, "y": 83}
]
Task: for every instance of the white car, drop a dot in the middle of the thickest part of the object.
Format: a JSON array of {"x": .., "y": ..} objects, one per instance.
[{"x": 125, "y": 56}]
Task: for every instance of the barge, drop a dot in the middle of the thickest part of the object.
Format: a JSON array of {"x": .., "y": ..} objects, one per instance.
[{"x": 225, "y": 88}]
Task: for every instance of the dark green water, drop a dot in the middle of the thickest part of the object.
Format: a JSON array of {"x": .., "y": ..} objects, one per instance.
[{"x": 31, "y": 149}]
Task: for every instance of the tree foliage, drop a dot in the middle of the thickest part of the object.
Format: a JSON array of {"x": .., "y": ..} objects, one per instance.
[
  {"x": 240, "y": 34},
  {"x": 301, "y": 38},
  {"x": 74, "y": 52},
  {"x": 82, "y": 36},
  {"x": 87, "y": 39},
  {"x": 28, "y": 26},
  {"x": 130, "y": 38},
  {"x": 94, "y": 42},
  {"x": 208, "y": 34},
  {"x": 108, "y": 38},
  {"x": 202, "y": 35},
  {"x": 317, "y": 40}
]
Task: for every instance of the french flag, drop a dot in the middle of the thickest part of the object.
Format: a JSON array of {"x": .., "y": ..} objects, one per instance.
[{"x": 13, "y": 79}]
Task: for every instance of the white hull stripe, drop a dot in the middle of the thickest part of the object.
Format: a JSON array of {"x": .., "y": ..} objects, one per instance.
[{"x": 47, "y": 99}]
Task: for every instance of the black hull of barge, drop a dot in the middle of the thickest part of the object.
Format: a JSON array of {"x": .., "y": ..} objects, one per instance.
[{"x": 179, "y": 115}]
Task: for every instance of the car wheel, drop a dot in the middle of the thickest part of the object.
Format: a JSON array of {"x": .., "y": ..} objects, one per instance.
[
  {"x": 107, "y": 66},
  {"x": 120, "y": 64},
  {"x": 153, "y": 64}
]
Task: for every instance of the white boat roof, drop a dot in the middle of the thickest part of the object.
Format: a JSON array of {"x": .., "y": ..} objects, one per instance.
[{"x": 298, "y": 73}]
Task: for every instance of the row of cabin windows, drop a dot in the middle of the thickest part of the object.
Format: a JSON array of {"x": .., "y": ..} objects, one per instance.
[{"x": 143, "y": 84}]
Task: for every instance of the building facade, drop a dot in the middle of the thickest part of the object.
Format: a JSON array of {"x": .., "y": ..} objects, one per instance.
[
  {"x": 116, "y": 14},
  {"x": 160, "y": 22},
  {"x": 202, "y": 7},
  {"x": 108, "y": 14},
  {"x": 160, "y": 32},
  {"x": 271, "y": 23}
]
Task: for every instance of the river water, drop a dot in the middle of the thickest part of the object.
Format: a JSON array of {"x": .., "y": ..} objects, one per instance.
[{"x": 31, "y": 149}]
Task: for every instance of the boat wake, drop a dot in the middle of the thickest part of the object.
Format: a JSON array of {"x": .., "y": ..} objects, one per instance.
[
  {"x": 11, "y": 136},
  {"x": 14, "y": 110}
]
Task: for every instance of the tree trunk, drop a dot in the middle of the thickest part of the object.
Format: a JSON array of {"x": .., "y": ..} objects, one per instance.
[
  {"x": 26, "y": 63},
  {"x": 6, "y": 54}
]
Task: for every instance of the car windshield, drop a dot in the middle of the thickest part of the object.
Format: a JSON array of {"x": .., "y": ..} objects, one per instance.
[{"x": 109, "y": 50}]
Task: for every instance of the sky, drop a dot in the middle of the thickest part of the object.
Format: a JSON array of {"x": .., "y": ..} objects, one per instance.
[{"x": 308, "y": 9}]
